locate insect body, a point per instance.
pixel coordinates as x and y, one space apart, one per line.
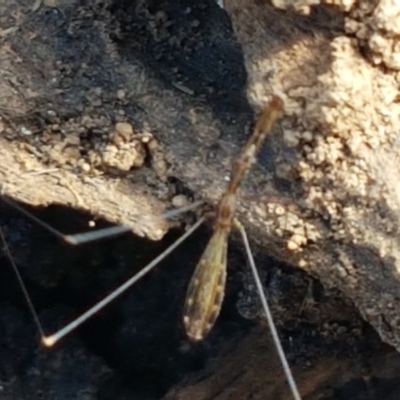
207 286
206 289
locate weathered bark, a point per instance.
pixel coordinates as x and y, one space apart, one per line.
249 368
340 143
325 198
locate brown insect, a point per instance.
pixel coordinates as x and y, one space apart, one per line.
207 286
206 289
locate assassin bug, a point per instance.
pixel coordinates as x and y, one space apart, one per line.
206 288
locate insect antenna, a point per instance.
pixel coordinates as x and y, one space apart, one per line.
267 312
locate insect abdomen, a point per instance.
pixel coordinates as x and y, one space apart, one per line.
206 289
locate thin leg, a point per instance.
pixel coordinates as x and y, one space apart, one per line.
49 341
268 314
21 284
86 237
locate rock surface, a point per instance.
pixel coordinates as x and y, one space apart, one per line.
337 151
116 108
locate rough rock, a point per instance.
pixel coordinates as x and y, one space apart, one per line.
337 152
324 196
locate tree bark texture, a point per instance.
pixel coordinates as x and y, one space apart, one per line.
324 196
